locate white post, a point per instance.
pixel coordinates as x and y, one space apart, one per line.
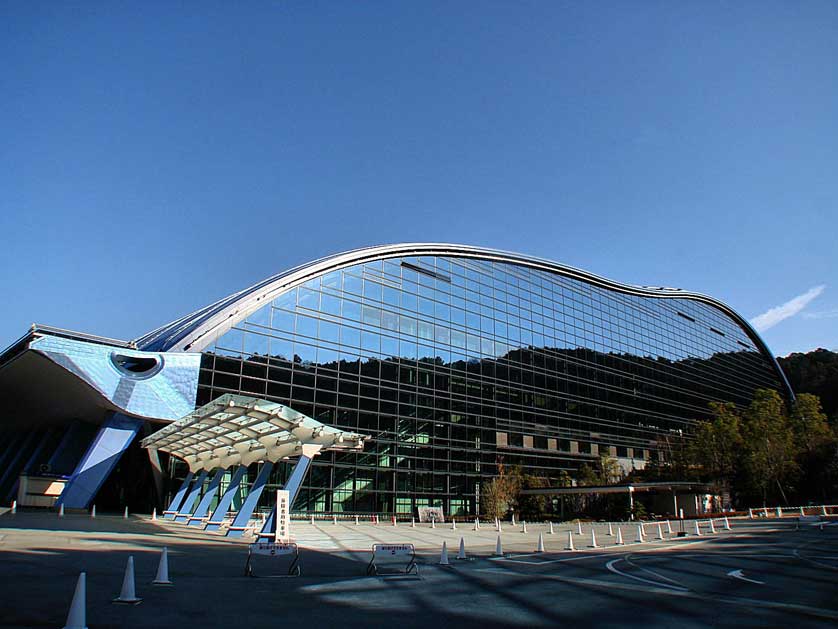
125 513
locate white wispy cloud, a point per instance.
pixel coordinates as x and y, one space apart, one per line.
772 317
823 314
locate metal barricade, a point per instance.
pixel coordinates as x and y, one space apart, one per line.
389 551
273 549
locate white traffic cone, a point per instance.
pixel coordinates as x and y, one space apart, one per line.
394 521
802 512
765 511
569 541
443 557
712 527
697 528
76 617
498 548
551 529
162 577
579 528
93 512
433 523
125 514
823 510
523 527
660 531
497 525
610 530
619 541
513 519
128 595
357 522
14 507
476 524
593 538
61 510
751 514
413 523
727 524
461 554
779 512
668 528
640 539
154 514
335 520
312 520
540 547
453 525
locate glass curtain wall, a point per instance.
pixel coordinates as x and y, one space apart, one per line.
456 365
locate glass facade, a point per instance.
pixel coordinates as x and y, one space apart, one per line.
455 365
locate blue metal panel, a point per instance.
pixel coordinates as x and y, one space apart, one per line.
233 490
185 509
114 437
293 487
11 449
240 523
175 504
203 506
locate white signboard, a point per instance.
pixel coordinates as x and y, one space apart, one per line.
283 516
393 550
426 514
273 549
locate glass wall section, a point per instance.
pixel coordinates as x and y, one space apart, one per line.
455 365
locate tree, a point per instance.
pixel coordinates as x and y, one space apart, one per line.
767 444
500 494
809 424
717 445
815 445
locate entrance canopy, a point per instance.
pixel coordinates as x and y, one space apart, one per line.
239 430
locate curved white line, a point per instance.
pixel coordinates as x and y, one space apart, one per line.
610 566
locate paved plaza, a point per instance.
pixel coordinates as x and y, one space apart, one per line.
766 573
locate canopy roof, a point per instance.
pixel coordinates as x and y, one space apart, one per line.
239 430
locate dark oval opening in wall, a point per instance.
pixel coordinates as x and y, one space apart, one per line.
136 366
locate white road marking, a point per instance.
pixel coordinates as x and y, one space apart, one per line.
610 566
737 574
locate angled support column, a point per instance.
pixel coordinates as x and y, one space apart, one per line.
185 510
27 467
14 465
113 438
292 486
171 512
233 490
203 506
239 525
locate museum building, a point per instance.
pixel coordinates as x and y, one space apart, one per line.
452 360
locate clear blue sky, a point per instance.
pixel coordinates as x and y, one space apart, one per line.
157 156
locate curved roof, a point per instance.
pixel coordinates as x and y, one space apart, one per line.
199 329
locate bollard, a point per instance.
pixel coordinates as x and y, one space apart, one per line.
513 519
476 524
14 507
579 528
802 512
125 513
640 539
697 528
413 523
335 520
61 510
394 521
751 514
312 519
523 527
610 530
712 526
76 617
453 524
660 531
619 537
153 514
128 595
461 554
433 522
569 541
162 577
779 512
668 528
551 528
765 511
593 538
540 547
357 521
497 525
93 512
443 557
727 524
498 548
